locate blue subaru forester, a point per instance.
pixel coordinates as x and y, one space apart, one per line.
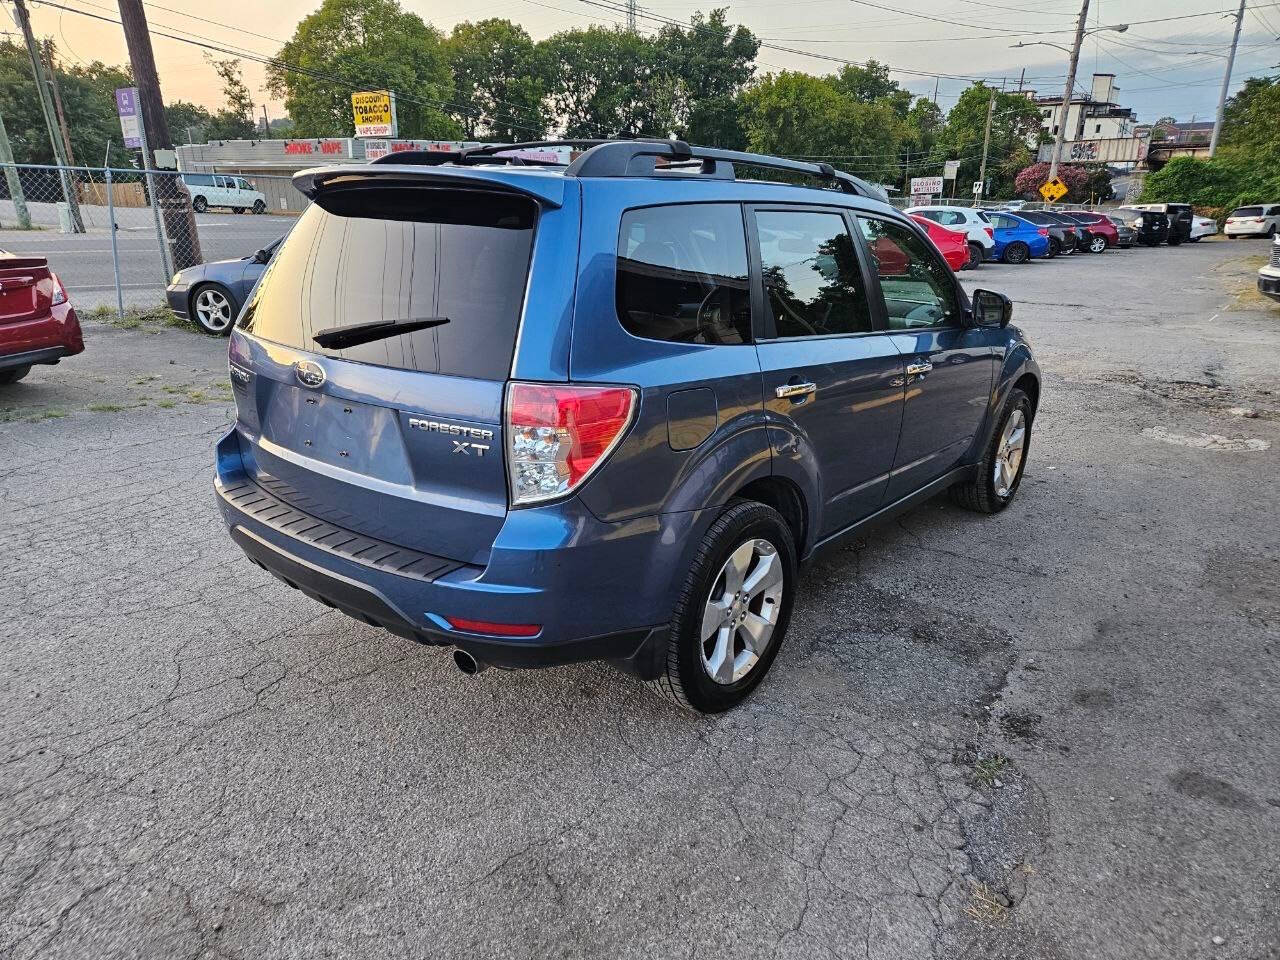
604 411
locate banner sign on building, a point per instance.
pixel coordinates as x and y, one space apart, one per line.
130 117
930 185
374 112
317 148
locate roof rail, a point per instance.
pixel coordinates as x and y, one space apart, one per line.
638 158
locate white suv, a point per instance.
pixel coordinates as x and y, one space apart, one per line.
1260 221
223 190
967 220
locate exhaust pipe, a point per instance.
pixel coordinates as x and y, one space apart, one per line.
467 663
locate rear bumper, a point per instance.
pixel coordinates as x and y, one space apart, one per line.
1246 230
598 591
43 340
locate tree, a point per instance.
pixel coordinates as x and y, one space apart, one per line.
499 81
871 84
798 114
188 122
608 82
711 62
234 121
350 45
1015 122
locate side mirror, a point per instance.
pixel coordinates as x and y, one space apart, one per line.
991 309
261 256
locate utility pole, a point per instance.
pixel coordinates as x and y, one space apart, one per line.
935 90
46 107
1226 82
57 100
1070 89
266 124
1022 78
986 142
174 202
15 183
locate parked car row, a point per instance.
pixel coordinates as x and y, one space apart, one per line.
1013 234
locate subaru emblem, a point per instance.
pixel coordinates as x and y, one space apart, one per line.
309 373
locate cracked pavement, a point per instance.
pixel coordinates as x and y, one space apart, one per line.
1049 733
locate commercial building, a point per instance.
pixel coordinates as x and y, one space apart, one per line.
1097 130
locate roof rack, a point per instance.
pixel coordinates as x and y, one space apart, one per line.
637 158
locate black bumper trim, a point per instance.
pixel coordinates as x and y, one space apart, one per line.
32 357
639 652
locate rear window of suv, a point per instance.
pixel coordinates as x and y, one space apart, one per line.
1247 212
363 255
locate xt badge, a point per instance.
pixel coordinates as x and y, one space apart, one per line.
453 430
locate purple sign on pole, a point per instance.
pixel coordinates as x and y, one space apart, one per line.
130 117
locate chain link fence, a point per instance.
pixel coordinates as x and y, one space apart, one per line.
116 236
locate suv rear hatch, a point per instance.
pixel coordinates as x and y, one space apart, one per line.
26 288
398 438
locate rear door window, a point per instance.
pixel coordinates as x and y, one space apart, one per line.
358 256
682 274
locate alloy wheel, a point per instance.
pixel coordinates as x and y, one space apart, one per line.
1097 244
213 310
741 611
1013 440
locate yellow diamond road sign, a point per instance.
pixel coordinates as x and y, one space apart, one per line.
1053 190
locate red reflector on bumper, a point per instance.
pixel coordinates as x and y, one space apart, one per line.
494 629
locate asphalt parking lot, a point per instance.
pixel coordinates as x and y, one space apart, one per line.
1049 733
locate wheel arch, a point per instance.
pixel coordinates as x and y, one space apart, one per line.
785 496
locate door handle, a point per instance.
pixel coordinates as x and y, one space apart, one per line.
794 390
917 368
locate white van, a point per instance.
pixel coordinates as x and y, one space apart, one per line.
223 190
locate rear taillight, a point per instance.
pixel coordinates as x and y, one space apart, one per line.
59 291
1043 231
990 233
494 629
558 434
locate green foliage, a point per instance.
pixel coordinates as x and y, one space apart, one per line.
1246 168
235 120
88 97
610 82
710 61
500 81
798 114
350 45
1014 120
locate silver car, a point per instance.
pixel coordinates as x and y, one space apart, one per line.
210 295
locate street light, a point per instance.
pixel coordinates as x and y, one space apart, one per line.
1081 33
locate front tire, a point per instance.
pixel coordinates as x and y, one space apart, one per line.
999 472
976 255
1017 252
1055 248
13 375
237 210
259 207
732 611
214 309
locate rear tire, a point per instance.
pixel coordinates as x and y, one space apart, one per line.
1016 252
13 375
976 255
988 491
199 204
737 594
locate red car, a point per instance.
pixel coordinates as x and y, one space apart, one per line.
37 322
1101 232
953 246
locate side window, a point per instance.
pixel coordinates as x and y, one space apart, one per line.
918 289
243 184
950 218
999 222
937 216
812 280
220 182
682 274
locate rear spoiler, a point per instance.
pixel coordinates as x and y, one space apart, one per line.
12 261
545 188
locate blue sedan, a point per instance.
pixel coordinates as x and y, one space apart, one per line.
1017 240
211 294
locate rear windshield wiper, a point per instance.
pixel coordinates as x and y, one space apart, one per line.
335 338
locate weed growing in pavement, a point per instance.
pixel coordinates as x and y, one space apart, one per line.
987 768
986 906
110 407
137 317
14 414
